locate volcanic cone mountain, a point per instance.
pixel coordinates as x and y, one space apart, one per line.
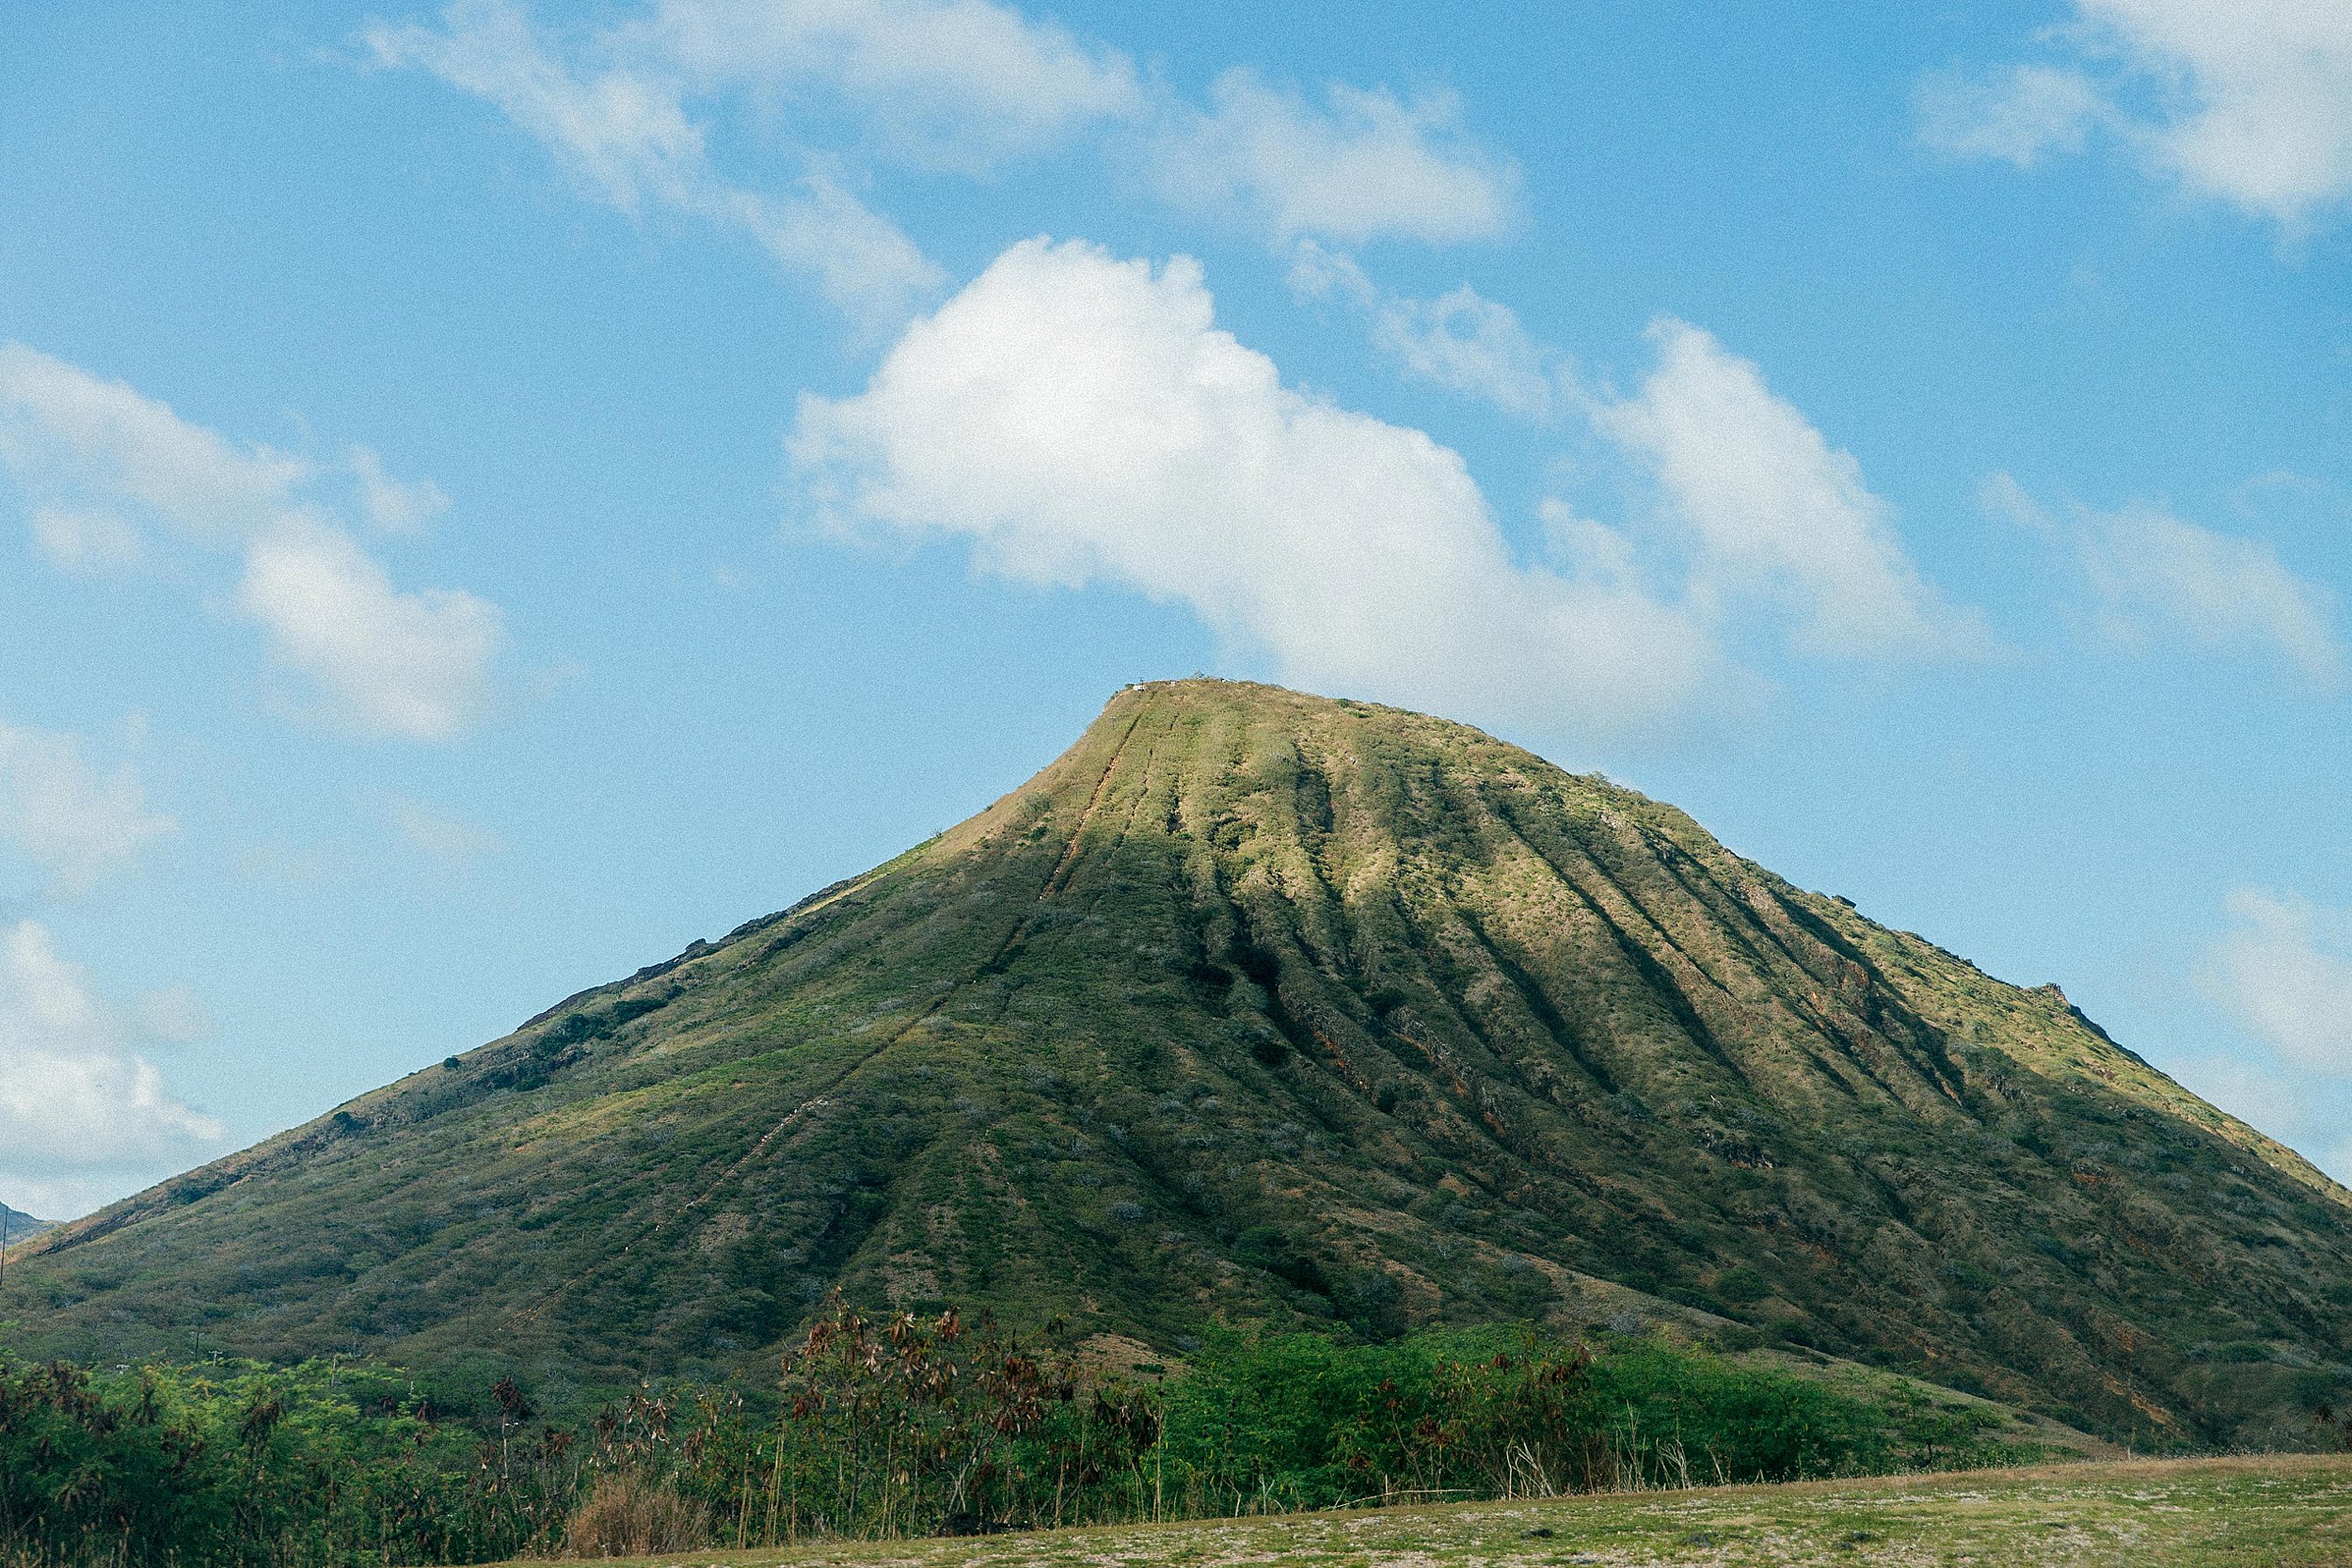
1282 1009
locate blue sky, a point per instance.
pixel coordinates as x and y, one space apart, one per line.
489 495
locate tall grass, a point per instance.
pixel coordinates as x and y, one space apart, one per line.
892 1426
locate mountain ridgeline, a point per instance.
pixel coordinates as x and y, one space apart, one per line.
1273 1010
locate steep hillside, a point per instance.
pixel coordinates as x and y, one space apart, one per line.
1272 1008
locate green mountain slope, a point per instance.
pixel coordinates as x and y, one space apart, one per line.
1276 1008
16 1225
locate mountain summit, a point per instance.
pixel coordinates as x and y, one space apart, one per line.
1268 1007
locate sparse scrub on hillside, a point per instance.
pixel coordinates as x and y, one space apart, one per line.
893 1427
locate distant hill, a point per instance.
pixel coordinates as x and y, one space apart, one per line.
16 1225
1268 1008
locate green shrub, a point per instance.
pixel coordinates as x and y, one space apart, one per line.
239 1465
1743 1283
893 1427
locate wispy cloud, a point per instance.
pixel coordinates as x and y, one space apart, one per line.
2157 577
2250 103
173 1015
961 86
439 835
127 470
74 821
2157 581
1461 340
2020 116
395 505
954 84
2283 968
87 543
81 1113
1362 164
624 132
76 440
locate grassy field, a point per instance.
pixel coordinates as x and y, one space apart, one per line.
2269 1511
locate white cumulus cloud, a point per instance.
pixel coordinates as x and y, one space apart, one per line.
386 663
1775 511
1078 417
1363 165
1769 511
2250 103
83 1117
104 471
2284 970
67 817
